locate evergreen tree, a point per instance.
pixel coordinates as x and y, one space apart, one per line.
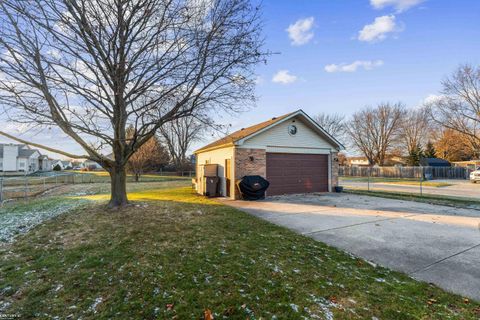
414 156
430 151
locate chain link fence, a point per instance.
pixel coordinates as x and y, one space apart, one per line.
18 187
447 182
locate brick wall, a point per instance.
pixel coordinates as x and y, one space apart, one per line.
335 168
249 162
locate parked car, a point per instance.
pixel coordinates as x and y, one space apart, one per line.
475 175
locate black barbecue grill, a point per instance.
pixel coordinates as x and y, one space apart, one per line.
253 187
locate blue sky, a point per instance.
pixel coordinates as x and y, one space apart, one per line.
404 51
427 41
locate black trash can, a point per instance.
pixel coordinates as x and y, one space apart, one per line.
253 187
211 186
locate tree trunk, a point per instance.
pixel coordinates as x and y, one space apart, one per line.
118 180
137 177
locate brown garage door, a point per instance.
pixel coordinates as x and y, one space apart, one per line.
297 173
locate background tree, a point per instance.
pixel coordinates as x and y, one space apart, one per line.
333 123
92 68
342 159
375 131
453 146
458 108
414 130
179 135
149 157
430 151
414 156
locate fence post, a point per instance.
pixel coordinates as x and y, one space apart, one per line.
56 180
44 186
1 190
368 180
25 192
421 180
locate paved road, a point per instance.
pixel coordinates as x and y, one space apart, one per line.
459 188
432 243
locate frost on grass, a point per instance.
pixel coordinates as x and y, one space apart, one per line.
14 221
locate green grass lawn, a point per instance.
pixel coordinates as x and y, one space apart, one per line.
173 254
413 182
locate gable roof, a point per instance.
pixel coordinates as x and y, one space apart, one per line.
434 162
249 132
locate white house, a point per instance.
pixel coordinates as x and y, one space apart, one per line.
20 158
64 164
90 165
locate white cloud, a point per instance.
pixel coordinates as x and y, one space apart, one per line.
399 5
352 67
432 98
301 31
284 77
378 30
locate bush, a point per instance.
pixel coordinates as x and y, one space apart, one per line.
57 168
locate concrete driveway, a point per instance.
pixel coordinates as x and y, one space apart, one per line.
431 243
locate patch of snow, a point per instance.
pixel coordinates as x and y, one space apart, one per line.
93 307
294 307
277 269
4 305
14 222
324 305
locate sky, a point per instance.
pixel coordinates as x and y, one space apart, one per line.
337 56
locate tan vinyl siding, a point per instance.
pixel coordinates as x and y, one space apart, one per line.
277 139
217 156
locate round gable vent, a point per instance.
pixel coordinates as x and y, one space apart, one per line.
292 129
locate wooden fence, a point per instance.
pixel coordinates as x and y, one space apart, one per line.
407 172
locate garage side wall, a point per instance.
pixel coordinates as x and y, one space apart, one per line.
218 157
334 170
249 162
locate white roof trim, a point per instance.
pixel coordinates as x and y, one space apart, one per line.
297 113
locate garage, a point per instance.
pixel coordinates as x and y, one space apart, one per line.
291 151
297 173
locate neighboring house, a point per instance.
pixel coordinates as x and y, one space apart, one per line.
91 165
63 164
44 163
471 164
395 161
292 152
20 158
434 162
363 161
358 162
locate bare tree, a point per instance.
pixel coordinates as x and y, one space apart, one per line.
414 129
333 123
374 131
179 135
150 156
458 108
92 68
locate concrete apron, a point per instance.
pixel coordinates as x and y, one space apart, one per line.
436 244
